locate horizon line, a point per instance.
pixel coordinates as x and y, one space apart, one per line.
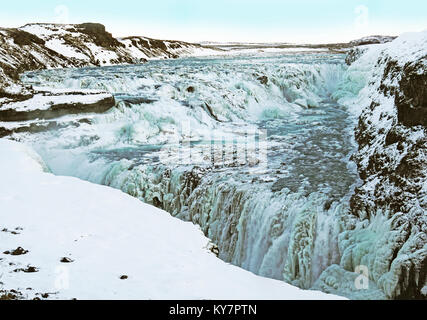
207 42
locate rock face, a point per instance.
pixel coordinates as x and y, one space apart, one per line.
47 105
43 110
411 99
147 48
389 234
99 35
354 54
21 51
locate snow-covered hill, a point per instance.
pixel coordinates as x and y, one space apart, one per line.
44 46
372 40
64 238
90 43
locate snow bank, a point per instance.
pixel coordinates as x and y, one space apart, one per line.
108 234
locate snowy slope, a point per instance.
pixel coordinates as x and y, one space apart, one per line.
45 102
147 48
19 52
107 234
91 44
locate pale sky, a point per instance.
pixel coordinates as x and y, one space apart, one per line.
298 21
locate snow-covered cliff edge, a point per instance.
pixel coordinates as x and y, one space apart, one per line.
63 238
387 231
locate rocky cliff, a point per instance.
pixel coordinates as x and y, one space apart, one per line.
387 228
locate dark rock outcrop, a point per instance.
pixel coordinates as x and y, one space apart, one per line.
17 252
354 54
58 110
66 260
263 80
99 35
411 98
23 38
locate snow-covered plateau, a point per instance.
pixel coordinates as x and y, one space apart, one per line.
304 164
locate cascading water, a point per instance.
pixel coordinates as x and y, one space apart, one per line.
281 220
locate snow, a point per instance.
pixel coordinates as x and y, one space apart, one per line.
408 47
104 56
43 30
57 91
60 47
108 234
134 51
90 53
274 50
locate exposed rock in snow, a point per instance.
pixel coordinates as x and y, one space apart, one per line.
84 44
106 237
354 54
22 51
91 44
8 128
389 234
147 48
360 46
47 105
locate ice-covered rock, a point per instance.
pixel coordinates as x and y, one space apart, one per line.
388 233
